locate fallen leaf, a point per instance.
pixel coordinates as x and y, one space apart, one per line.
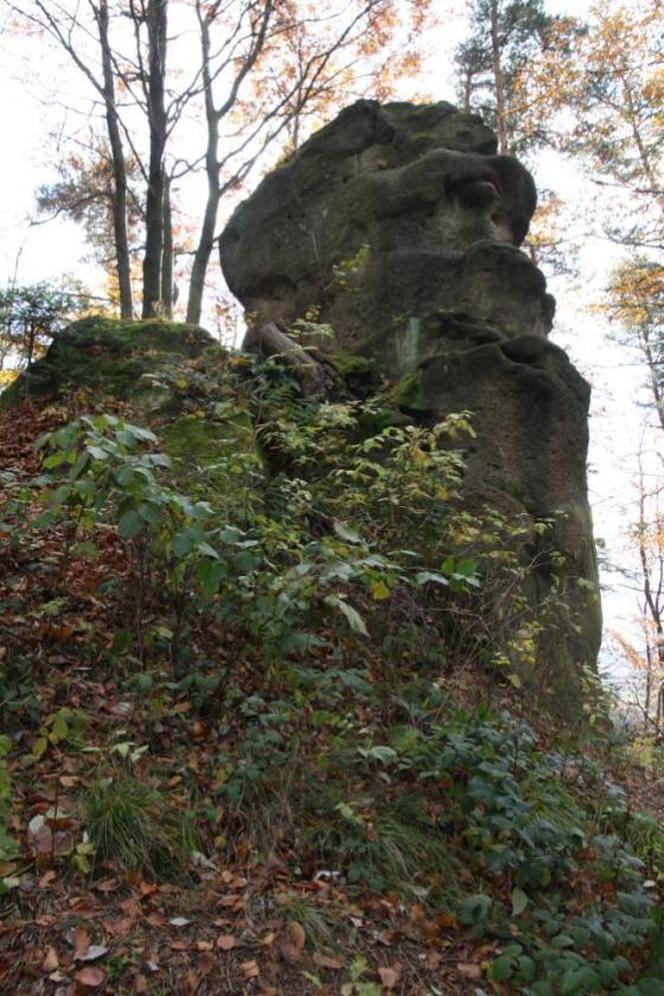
90 977
226 941
389 977
198 860
79 938
433 959
51 960
250 970
118 927
231 902
179 921
94 951
107 885
205 963
296 935
46 879
189 984
469 969
327 961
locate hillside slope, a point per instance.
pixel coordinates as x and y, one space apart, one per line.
272 721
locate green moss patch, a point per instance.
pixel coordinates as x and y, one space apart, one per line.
406 393
351 365
106 356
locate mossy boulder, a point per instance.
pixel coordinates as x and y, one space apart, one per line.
107 357
384 215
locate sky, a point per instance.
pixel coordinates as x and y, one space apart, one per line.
31 116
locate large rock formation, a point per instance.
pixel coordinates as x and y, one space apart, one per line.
401 227
386 214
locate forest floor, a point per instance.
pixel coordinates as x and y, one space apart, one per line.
234 918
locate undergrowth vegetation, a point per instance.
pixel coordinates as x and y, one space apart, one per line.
279 649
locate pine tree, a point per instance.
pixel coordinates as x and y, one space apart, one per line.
505 37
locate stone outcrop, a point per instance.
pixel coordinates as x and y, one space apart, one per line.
385 214
401 226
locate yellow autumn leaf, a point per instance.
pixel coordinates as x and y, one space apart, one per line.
379 591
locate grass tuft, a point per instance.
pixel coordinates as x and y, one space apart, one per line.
133 825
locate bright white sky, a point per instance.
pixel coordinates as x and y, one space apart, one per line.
28 115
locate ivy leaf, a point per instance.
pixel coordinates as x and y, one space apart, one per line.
519 901
346 533
424 577
501 969
582 979
40 747
182 543
150 513
381 752
527 968
474 909
651 987
130 524
60 727
466 568
352 616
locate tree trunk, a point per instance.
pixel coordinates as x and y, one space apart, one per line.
202 255
206 238
316 378
501 111
156 23
467 91
167 254
31 345
213 116
652 582
654 374
119 202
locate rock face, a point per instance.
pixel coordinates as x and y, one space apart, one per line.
401 226
385 214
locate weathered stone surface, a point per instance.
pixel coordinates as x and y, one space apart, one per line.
388 213
403 227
